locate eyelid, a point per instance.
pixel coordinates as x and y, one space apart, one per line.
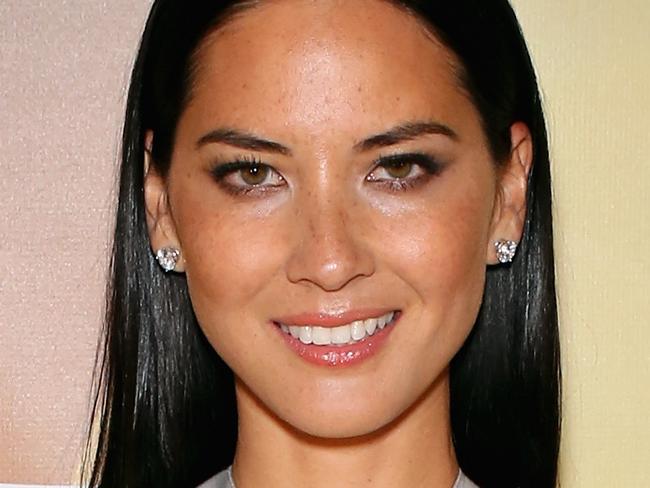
221 171
428 167
428 163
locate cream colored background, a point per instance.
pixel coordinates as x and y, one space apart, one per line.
64 67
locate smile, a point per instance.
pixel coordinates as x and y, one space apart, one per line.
347 334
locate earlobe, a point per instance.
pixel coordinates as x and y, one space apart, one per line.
511 200
160 223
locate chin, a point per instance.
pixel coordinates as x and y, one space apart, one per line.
344 415
368 413
336 425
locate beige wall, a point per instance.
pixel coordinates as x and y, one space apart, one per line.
64 66
63 69
593 58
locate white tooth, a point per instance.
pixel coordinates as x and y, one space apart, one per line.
390 317
370 325
306 335
284 328
321 336
295 331
341 335
381 322
358 331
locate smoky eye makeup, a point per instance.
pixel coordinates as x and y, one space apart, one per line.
404 171
250 176
246 175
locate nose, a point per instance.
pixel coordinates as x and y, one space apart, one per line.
332 247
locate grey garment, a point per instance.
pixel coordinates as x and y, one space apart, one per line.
221 480
463 481
224 480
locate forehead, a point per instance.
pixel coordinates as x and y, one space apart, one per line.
324 64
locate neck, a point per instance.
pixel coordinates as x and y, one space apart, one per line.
413 450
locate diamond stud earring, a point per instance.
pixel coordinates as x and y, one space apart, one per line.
167 258
505 250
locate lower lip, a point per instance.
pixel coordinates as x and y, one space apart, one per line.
340 356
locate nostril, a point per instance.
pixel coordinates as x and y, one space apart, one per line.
328 249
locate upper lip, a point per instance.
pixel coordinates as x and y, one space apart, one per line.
324 319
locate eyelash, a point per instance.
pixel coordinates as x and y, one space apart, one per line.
429 165
221 171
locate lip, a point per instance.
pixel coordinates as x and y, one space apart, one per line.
336 355
332 320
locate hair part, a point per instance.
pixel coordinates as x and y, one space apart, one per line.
165 406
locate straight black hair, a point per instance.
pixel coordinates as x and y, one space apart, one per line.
165 410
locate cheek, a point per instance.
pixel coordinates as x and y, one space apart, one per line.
437 248
227 257
232 253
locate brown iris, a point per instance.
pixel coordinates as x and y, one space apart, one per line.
399 169
254 175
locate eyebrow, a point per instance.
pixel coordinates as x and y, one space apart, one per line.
397 134
405 132
242 140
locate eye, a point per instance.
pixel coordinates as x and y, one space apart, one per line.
247 175
403 171
400 169
255 174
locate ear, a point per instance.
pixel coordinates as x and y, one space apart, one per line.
509 214
160 222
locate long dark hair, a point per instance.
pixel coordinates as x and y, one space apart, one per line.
165 406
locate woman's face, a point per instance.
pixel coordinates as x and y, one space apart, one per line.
329 169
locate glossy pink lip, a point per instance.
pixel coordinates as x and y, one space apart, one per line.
332 320
336 355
